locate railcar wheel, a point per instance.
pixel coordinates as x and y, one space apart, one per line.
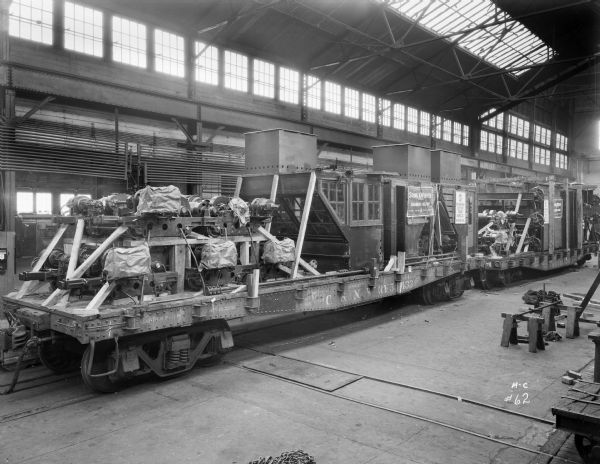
59 359
483 280
102 362
455 289
425 295
588 449
212 354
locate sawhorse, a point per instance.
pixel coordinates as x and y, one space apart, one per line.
535 324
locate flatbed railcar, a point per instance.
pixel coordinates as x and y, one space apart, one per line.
516 230
130 286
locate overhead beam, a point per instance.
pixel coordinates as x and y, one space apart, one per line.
34 109
542 86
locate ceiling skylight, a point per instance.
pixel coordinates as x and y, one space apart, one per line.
505 43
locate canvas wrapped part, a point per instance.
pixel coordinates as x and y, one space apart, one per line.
160 200
218 254
120 263
240 209
281 252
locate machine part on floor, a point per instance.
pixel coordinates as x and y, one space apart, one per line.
288 457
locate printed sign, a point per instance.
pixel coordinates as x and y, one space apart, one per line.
420 202
558 210
460 207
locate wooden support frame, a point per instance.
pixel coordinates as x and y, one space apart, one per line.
58 293
26 287
303 222
274 186
238 186
100 297
523 235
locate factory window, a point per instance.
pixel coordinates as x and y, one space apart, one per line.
561 142
43 203
312 92
541 155
456 132
335 192
518 126
235 71
333 98
169 55
561 161
129 42
264 78
207 63
31 20
541 135
412 120
351 103
424 123
487 141
358 201
518 149
465 138
483 140
499 143
447 130
490 141
369 108
373 202
83 29
399 116
24 202
497 122
436 130
289 87
385 112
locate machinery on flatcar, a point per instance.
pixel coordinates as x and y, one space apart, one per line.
517 229
146 283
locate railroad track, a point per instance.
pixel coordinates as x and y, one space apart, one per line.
465 431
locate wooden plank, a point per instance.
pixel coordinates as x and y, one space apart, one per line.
532 330
238 186
75 248
523 235
178 258
100 297
401 262
303 222
25 288
74 256
518 205
484 228
273 195
391 263
245 253
572 323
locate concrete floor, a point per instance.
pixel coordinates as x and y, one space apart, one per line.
234 413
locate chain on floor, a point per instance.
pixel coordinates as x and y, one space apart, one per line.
289 457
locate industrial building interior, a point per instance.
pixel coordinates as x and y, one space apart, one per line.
300 231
